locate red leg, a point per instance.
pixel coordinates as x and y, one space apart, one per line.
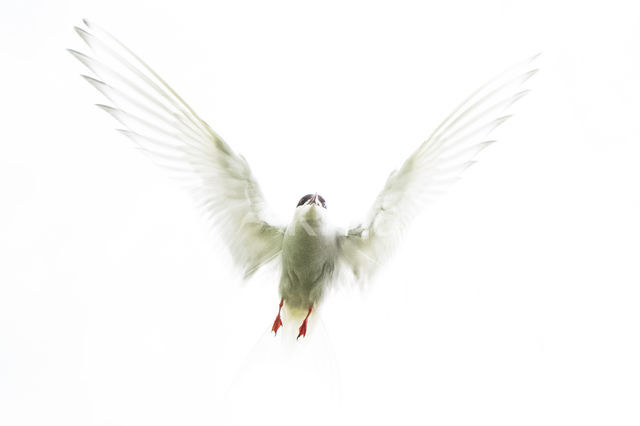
303 327
278 322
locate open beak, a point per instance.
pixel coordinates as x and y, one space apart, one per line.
315 200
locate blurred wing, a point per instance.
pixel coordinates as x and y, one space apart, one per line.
436 163
165 127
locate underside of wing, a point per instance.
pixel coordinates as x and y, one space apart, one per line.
436 163
156 118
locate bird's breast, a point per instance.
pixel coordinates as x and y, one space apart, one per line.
308 241
308 253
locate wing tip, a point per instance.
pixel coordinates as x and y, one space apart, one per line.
521 94
76 54
530 73
107 108
468 164
126 132
94 81
80 31
535 56
502 119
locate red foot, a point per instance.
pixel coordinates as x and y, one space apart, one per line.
278 322
303 328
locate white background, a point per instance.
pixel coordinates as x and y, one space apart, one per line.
514 300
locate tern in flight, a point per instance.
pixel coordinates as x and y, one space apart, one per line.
312 253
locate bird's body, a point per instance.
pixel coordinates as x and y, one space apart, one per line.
312 253
309 249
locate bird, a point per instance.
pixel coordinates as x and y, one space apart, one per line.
312 253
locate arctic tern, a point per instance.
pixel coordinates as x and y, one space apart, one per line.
312 253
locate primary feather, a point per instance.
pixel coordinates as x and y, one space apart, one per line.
437 162
164 126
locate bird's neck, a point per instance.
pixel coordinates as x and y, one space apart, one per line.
309 219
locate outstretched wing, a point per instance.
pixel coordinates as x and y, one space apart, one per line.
436 163
165 127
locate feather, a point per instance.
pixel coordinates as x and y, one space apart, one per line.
437 162
166 128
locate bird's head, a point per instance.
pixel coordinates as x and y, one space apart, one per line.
312 199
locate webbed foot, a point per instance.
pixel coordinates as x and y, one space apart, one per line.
303 328
278 322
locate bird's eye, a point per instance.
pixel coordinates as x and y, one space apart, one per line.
304 199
